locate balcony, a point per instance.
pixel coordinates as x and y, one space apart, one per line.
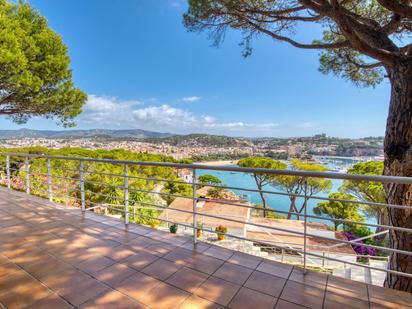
58 256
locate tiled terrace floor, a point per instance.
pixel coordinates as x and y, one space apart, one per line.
53 257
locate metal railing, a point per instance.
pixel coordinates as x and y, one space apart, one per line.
31 169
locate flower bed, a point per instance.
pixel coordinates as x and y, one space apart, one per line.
360 249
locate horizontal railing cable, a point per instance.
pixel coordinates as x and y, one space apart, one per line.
307 174
36 177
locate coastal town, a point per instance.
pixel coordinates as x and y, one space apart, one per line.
211 148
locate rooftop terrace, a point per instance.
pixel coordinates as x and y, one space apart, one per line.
57 257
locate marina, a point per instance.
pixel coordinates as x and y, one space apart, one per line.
281 203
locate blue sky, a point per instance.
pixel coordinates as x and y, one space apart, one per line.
142 69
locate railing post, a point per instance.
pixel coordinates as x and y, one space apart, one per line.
8 172
327 259
126 195
323 259
82 195
305 224
26 163
194 207
49 180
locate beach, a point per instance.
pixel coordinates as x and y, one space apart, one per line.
218 162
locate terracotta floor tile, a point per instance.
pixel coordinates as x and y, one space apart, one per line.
119 253
180 256
112 243
233 273
333 300
198 248
156 234
161 269
274 268
111 300
3 259
114 274
303 294
348 288
176 241
165 296
389 298
283 304
126 238
309 278
18 249
137 285
139 260
100 250
94 265
379 306
219 252
245 260
80 292
205 264
195 302
13 279
8 268
30 258
53 301
76 256
57 281
140 230
139 243
266 283
159 249
22 291
247 298
217 290
43 268
187 279
387 305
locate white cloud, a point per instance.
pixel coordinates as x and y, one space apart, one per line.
191 99
102 111
164 115
239 126
183 121
110 112
148 114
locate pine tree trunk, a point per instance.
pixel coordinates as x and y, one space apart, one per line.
292 206
382 218
398 162
260 188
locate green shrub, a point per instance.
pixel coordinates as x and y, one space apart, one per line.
173 228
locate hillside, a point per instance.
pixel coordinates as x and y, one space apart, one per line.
202 140
27 133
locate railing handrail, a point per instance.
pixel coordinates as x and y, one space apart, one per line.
328 175
195 211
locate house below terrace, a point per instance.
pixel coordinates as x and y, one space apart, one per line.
246 227
185 174
211 208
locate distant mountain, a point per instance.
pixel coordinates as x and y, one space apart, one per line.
132 134
147 136
187 140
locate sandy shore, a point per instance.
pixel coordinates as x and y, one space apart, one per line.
217 163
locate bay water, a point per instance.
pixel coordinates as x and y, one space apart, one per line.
275 201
